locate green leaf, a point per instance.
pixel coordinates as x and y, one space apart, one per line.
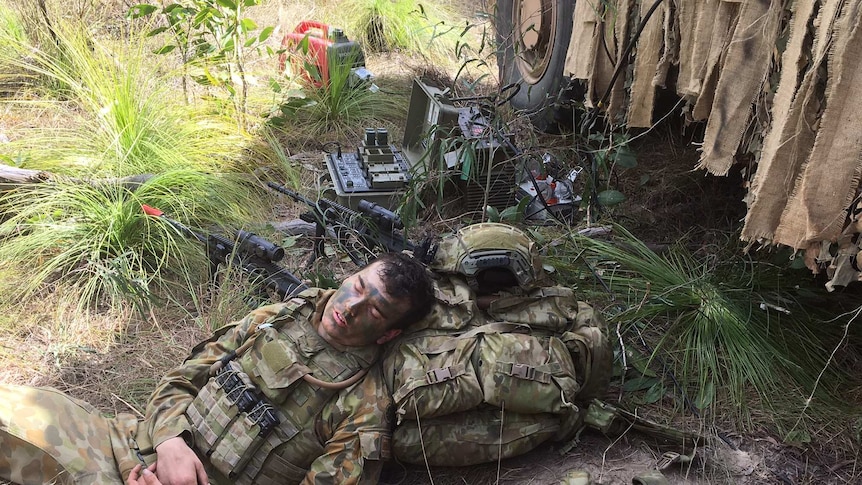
265 33
523 204
492 213
141 10
156 31
611 197
227 4
644 179
625 157
639 362
510 214
165 49
705 396
654 393
251 3
639 383
247 25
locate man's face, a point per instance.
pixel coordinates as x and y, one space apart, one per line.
361 312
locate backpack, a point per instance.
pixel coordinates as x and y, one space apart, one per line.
473 385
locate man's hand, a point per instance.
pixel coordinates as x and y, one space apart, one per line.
145 478
178 464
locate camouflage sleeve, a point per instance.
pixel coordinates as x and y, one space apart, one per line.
357 434
165 414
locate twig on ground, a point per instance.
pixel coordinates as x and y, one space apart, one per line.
808 401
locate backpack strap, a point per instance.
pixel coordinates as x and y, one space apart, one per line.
541 373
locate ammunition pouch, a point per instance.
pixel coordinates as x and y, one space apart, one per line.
231 420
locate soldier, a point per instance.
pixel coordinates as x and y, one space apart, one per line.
289 394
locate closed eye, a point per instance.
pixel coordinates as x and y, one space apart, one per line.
375 313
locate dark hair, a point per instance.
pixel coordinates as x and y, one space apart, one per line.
406 279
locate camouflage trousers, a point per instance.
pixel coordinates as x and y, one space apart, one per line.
49 437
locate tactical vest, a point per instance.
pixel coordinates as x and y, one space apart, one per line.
254 420
472 386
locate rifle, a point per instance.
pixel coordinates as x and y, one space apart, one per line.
252 254
371 227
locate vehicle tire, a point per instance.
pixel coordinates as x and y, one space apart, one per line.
533 54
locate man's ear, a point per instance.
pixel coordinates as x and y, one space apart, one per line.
389 335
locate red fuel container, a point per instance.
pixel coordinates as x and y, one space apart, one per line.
327 47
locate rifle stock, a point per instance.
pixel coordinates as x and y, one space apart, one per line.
252 254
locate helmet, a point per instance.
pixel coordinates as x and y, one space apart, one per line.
508 252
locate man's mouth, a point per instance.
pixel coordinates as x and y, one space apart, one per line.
339 319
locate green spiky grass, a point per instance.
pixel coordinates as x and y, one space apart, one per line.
335 110
12 27
86 227
97 237
417 28
129 119
720 322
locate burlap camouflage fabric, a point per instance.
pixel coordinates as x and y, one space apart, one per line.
48 437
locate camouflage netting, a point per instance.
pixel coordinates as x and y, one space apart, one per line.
776 79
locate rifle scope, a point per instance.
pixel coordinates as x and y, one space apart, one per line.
251 243
381 215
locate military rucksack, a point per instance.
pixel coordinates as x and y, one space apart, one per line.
483 378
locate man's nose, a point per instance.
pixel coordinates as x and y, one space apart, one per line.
353 307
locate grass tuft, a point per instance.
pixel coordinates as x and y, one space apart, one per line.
12 28
337 109
128 119
416 28
97 238
86 227
727 326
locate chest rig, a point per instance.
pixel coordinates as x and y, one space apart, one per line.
255 418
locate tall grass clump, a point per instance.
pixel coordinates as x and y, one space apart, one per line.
12 28
420 29
732 331
337 108
122 117
128 118
95 236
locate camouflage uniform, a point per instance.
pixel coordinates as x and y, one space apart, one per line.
47 436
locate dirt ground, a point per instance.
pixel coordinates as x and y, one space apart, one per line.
608 461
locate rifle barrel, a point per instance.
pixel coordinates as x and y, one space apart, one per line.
253 254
